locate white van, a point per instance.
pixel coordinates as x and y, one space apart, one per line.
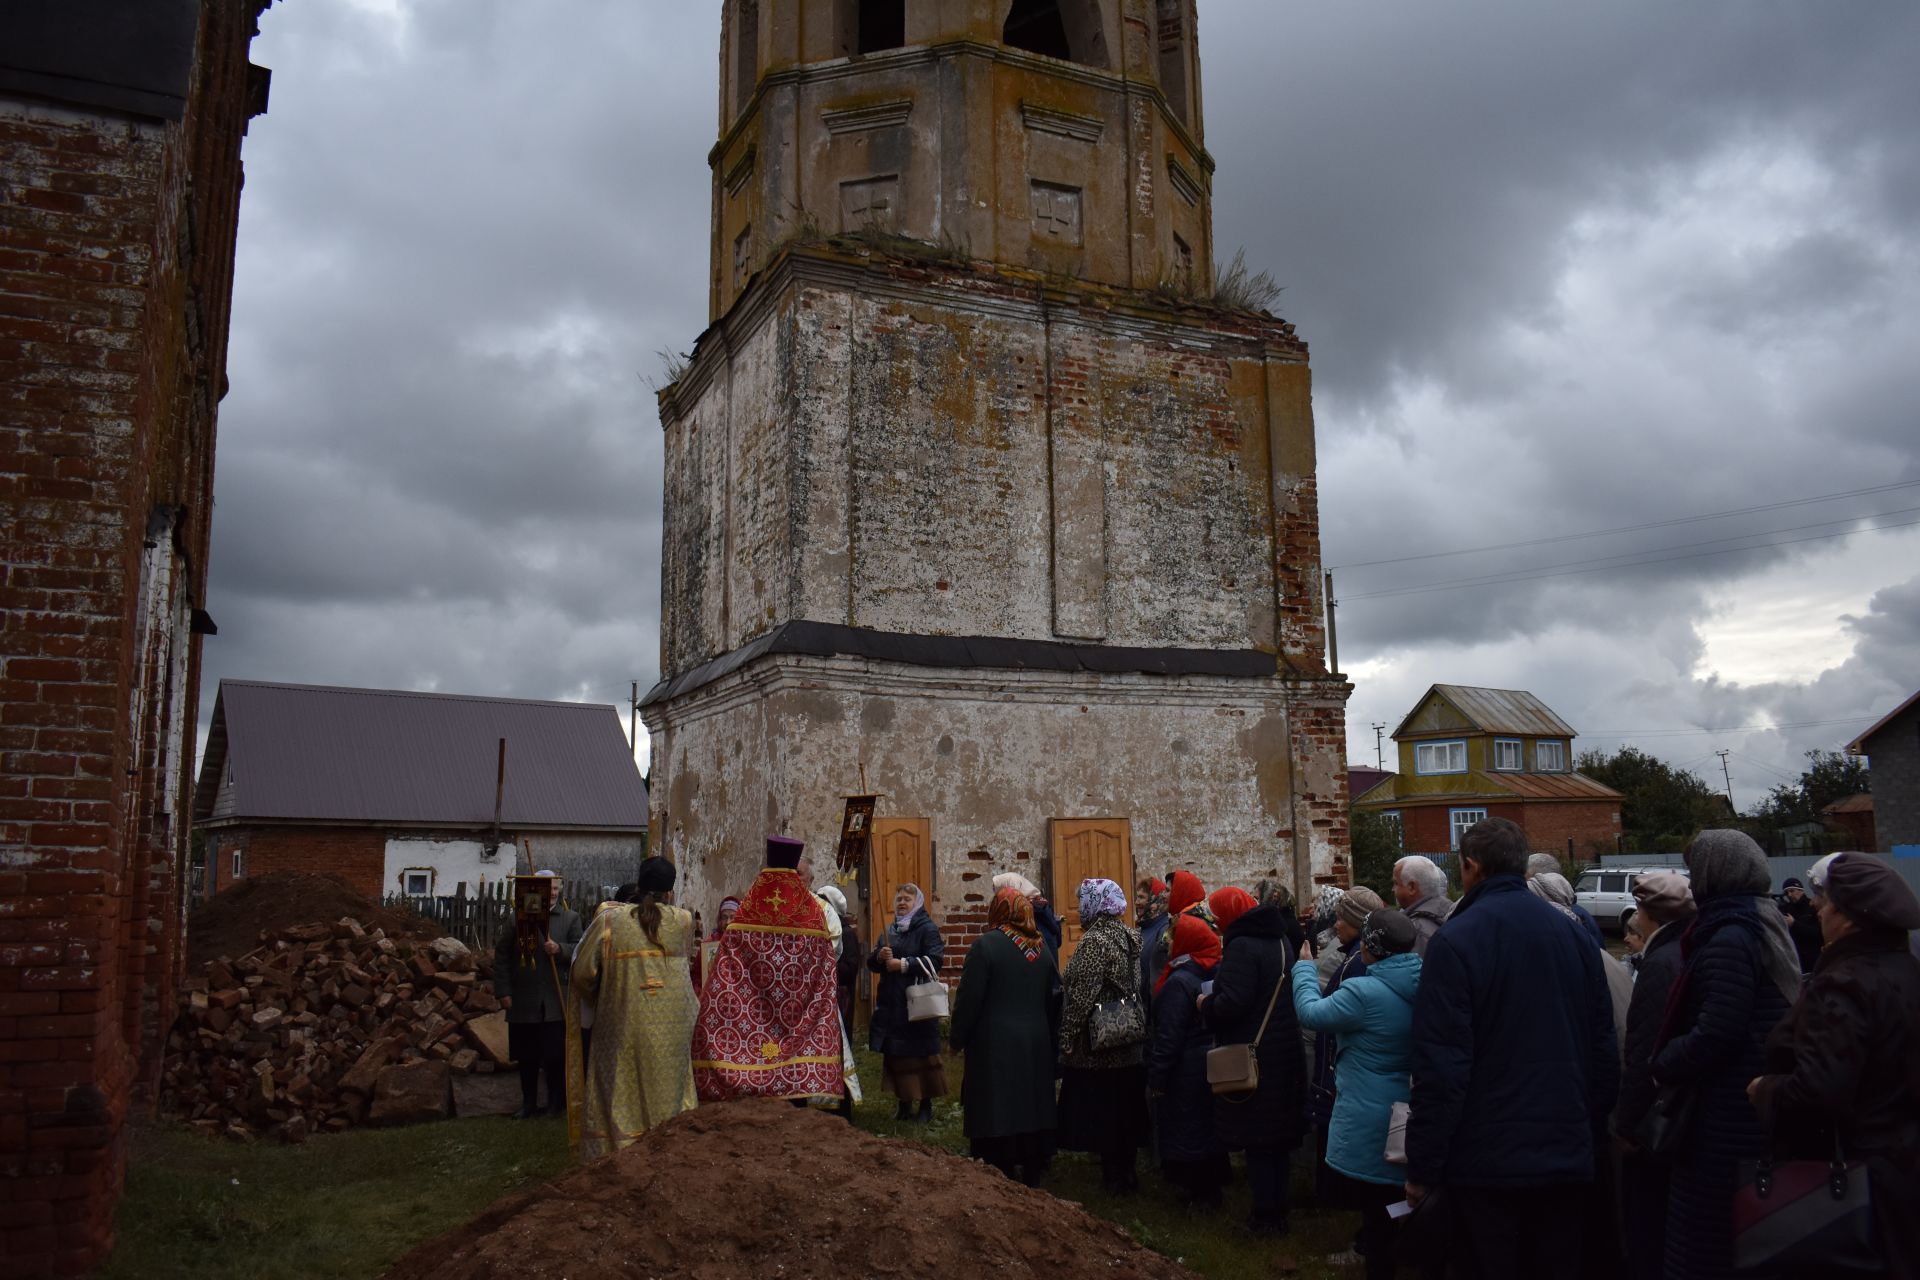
1607 893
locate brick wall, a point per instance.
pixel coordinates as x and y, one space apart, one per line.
1893 761
355 854
116 244
1592 824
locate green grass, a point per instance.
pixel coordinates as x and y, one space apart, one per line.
345 1205
348 1205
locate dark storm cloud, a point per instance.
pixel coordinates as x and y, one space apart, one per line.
1562 268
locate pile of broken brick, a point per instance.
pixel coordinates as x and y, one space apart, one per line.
328 1026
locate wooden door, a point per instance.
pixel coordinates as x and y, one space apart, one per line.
902 854
1087 849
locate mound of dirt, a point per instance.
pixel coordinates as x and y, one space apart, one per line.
230 923
749 1189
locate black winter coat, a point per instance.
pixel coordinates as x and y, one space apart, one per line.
1659 966
1803 926
846 969
538 990
1006 1019
1176 1058
1716 1049
1849 1056
1515 1062
891 1033
1253 966
1049 926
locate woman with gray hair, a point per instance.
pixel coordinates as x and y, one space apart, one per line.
1665 909
1739 978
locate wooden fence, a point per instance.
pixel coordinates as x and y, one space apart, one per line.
479 918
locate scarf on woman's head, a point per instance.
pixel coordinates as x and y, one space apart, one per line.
1275 892
1229 904
1018 883
901 919
1098 898
1193 943
1186 891
1552 888
1153 900
1012 914
1728 864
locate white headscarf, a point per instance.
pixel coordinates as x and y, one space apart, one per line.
1018 883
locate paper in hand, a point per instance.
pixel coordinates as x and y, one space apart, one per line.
1400 1210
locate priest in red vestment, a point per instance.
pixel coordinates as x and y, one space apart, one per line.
769 1024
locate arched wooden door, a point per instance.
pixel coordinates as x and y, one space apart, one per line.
1087 849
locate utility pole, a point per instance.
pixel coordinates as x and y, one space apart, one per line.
1333 633
633 722
1727 775
1379 749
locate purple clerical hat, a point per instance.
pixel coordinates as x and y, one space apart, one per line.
784 851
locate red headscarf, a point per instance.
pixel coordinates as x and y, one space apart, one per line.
1229 904
1186 891
1194 941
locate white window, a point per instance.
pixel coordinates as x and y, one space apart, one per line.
1550 757
1462 819
1440 757
1392 818
239 863
419 883
1507 754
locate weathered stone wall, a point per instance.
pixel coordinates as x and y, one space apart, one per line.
955 451
1087 168
116 250
1238 779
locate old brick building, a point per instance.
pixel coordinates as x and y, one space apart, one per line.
974 481
398 791
1468 753
120 133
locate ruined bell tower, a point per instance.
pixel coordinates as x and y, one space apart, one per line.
975 481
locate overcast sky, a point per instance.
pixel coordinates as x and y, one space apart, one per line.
1564 268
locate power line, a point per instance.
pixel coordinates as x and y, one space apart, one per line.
1633 528
1754 728
1490 581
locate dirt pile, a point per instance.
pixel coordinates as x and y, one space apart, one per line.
325 1026
749 1189
236 920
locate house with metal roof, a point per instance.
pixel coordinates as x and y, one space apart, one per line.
1892 748
416 793
1468 753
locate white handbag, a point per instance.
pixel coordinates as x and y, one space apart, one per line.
1396 1152
926 999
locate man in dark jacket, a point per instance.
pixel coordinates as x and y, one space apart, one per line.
533 991
1515 1067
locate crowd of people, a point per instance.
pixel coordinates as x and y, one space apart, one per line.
1491 1091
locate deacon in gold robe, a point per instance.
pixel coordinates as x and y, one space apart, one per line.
632 970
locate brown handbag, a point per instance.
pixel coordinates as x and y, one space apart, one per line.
1234 1069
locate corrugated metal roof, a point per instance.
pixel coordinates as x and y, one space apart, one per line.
1552 786
1497 711
374 755
1361 779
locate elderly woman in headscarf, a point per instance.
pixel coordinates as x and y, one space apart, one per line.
1003 1020
1150 912
1739 977
1664 908
1043 914
1541 864
910 951
1373 1015
1842 1068
1249 1004
1103 1090
1191 1154
1186 896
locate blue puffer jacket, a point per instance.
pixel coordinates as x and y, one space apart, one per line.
1515 1064
1373 1016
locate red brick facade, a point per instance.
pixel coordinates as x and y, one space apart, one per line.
355 854
116 250
1592 825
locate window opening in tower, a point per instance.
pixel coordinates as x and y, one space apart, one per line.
883 25
1037 27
